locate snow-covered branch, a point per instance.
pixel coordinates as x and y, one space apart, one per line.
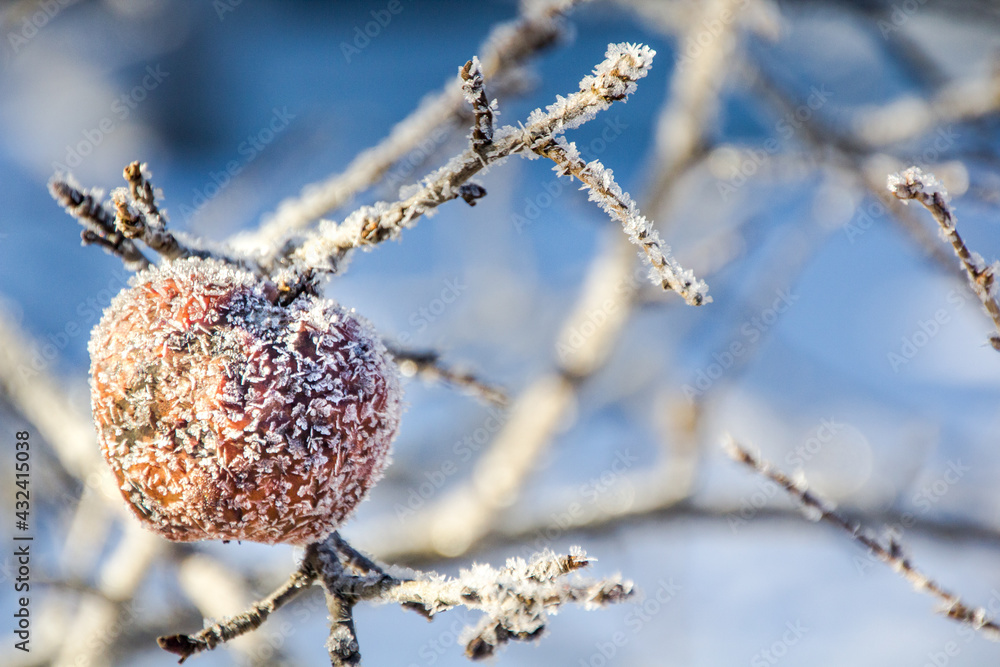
136 218
471 510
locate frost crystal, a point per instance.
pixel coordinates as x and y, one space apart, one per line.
224 415
913 180
612 80
605 191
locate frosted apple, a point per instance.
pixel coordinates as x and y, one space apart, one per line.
225 415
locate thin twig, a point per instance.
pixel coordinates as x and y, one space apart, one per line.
138 217
142 192
187 645
428 365
98 223
915 184
618 204
342 643
656 505
475 94
353 557
890 553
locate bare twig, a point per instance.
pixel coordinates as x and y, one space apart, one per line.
914 184
187 645
890 552
427 364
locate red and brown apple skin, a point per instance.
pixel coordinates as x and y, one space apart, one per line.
226 416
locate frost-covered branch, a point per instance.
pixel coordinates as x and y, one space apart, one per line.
618 204
428 365
187 645
138 217
475 94
516 599
143 196
98 223
915 184
889 552
612 80
507 46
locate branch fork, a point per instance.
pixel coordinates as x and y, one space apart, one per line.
516 599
